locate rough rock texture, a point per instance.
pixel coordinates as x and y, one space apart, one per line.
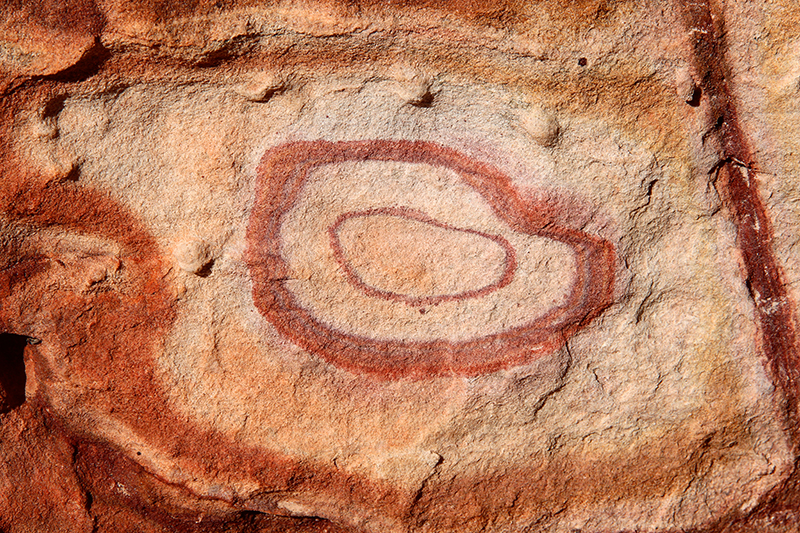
399 266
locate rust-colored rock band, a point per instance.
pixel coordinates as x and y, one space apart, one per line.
738 187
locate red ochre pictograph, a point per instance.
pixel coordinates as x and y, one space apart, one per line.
509 262
281 175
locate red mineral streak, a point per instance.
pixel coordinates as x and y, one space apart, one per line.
738 186
509 262
109 339
281 176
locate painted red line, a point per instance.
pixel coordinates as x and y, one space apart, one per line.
509 261
281 176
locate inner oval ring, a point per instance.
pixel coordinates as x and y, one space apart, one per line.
509 262
280 177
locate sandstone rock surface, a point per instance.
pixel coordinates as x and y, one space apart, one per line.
405 266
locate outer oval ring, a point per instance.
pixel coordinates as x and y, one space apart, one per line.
280 177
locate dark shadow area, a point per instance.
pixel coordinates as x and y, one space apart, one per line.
12 371
87 66
205 271
426 100
694 98
53 107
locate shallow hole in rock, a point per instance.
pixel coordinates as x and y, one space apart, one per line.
12 370
205 270
426 100
694 98
54 106
74 174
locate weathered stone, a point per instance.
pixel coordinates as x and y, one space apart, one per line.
418 267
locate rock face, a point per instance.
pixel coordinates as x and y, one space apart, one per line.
388 267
